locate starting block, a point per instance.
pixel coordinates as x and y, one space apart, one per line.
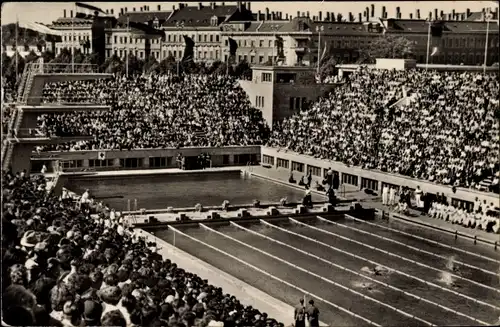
212 214
327 207
243 213
300 209
272 211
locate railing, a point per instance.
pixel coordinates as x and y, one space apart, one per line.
90 99
8 156
22 83
67 68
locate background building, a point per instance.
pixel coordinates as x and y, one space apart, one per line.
268 37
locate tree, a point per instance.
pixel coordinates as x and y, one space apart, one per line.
113 65
243 70
394 47
32 56
327 68
151 65
135 65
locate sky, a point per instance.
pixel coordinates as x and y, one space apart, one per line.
47 12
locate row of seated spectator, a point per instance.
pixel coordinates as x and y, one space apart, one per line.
63 266
156 112
446 132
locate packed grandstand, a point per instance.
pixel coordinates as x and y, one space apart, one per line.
61 267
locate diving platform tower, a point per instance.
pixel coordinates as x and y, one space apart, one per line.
23 134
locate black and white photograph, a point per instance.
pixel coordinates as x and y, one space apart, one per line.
250 164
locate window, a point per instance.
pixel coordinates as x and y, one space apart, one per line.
72 164
266 77
225 159
270 43
116 39
96 163
283 163
315 171
205 38
261 59
252 59
131 162
297 103
216 38
370 184
268 160
298 166
261 43
157 162
211 38
349 179
259 101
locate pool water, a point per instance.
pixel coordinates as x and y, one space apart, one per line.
184 190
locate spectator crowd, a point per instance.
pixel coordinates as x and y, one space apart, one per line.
156 112
66 265
444 131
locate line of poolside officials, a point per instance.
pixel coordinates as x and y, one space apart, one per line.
330 183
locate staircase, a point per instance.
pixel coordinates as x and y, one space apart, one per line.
22 83
7 156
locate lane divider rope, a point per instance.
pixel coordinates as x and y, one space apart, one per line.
424 239
407 246
274 277
329 281
383 266
358 274
400 257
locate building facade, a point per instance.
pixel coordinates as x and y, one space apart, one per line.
269 37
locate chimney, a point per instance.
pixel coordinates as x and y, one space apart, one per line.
173 8
418 13
258 16
373 10
436 13
398 12
273 15
64 13
107 11
320 16
383 11
367 14
411 16
239 6
71 14
441 15
112 12
248 6
351 17
454 15
327 16
141 9
467 13
298 13
200 5
360 17
430 14
385 15
126 9
159 7
267 14
286 16
307 14
181 6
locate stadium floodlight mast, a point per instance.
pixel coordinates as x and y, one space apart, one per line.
429 22
487 17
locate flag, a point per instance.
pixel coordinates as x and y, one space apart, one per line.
233 46
188 50
38 27
87 11
434 51
279 45
144 31
324 52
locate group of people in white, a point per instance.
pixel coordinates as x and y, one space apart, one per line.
480 216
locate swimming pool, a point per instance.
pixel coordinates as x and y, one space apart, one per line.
180 190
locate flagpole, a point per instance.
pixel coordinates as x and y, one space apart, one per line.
486 43
428 44
15 53
319 48
73 39
126 57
